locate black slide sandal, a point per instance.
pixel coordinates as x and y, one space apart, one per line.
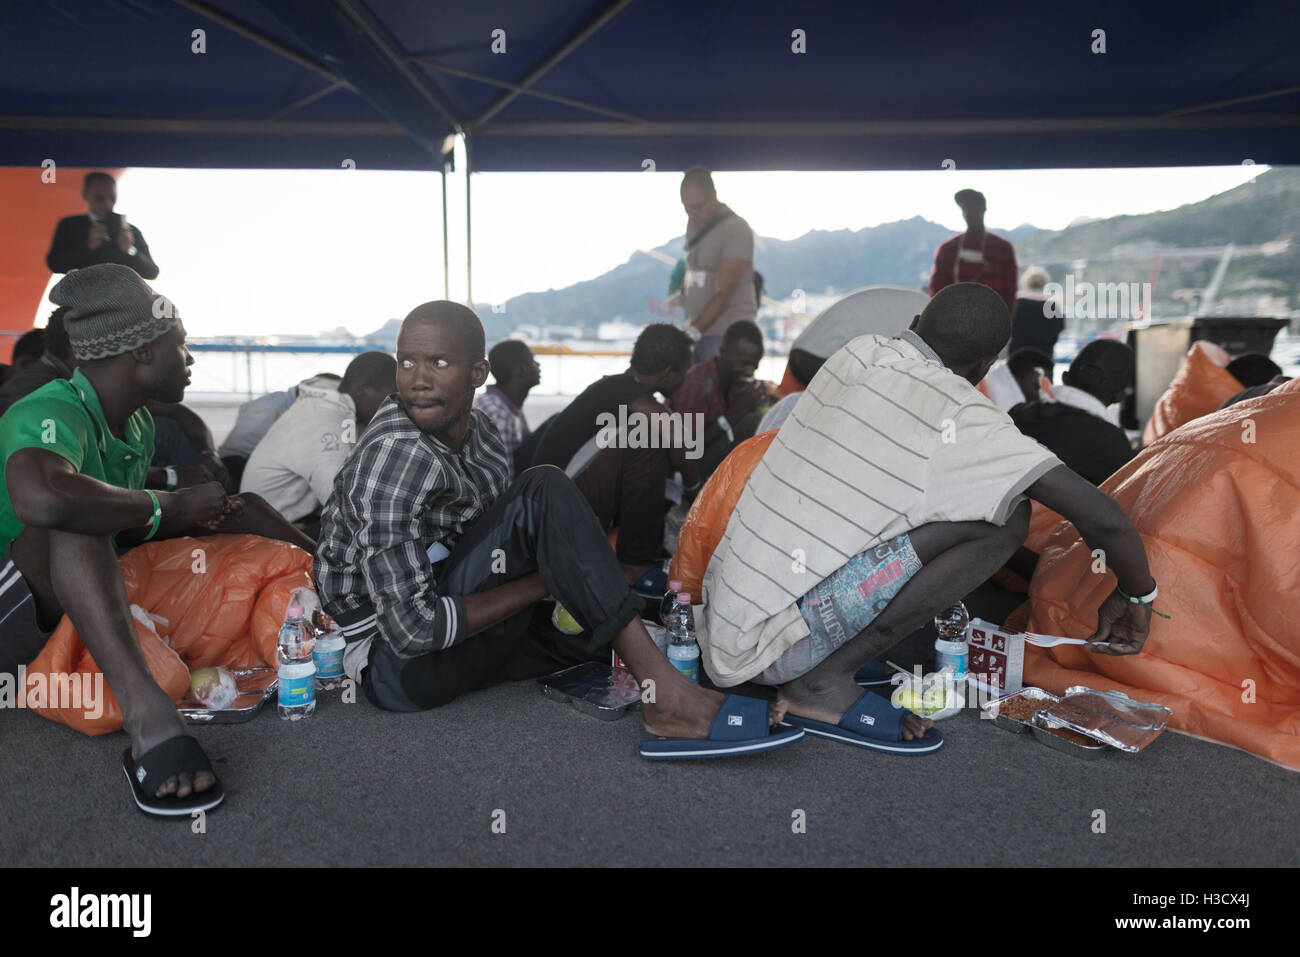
174 756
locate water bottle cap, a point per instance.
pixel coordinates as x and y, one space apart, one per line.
683 598
674 585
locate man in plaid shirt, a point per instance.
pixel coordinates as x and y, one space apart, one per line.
976 255
432 563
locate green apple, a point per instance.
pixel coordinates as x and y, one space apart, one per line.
204 681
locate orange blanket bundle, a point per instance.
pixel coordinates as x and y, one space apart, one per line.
1218 506
224 597
1201 386
707 520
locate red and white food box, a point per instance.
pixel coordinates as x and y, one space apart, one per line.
995 658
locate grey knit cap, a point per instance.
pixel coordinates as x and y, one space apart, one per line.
111 310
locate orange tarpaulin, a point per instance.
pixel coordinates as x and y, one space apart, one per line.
224 597
1218 506
706 522
1201 386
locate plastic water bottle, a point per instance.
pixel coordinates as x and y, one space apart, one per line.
669 603
951 648
327 655
297 672
683 651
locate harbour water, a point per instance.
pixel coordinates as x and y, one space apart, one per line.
223 380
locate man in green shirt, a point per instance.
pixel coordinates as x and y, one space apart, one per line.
74 469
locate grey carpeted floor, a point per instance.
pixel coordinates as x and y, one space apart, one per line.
357 786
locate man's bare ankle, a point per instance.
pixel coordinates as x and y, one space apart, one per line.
810 687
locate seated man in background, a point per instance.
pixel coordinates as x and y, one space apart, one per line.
256 416
1080 424
723 390
27 350
1253 368
622 478
516 372
431 563
1036 320
893 491
294 465
54 362
1258 373
1015 381
1255 392
74 469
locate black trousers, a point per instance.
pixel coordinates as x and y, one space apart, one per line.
541 524
625 488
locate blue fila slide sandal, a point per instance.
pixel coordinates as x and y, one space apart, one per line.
871 722
874 672
739 727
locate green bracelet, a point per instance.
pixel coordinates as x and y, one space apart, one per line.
157 516
1139 601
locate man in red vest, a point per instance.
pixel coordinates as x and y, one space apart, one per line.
976 255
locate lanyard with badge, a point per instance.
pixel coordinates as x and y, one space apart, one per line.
699 277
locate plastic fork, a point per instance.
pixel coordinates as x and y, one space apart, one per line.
1048 641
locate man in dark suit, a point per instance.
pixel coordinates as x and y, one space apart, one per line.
99 235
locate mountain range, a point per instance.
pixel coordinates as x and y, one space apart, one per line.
1179 250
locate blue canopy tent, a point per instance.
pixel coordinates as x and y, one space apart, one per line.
610 84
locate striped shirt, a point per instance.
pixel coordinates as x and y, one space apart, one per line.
884 440
401 493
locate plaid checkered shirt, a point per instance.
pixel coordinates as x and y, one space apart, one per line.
400 493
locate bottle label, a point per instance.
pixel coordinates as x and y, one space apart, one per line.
957 662
297 692
690 667
329 664
686 659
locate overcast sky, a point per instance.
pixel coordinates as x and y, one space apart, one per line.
288 251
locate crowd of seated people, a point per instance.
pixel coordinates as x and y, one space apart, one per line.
441 526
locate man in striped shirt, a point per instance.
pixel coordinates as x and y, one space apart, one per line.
432 563
892 491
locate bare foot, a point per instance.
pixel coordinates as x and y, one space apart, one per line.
828 703
688 712
159 722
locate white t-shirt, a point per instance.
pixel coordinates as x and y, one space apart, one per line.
884 440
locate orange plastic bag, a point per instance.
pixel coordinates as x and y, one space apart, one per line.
1201 386
706 522
1218 506
224 597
